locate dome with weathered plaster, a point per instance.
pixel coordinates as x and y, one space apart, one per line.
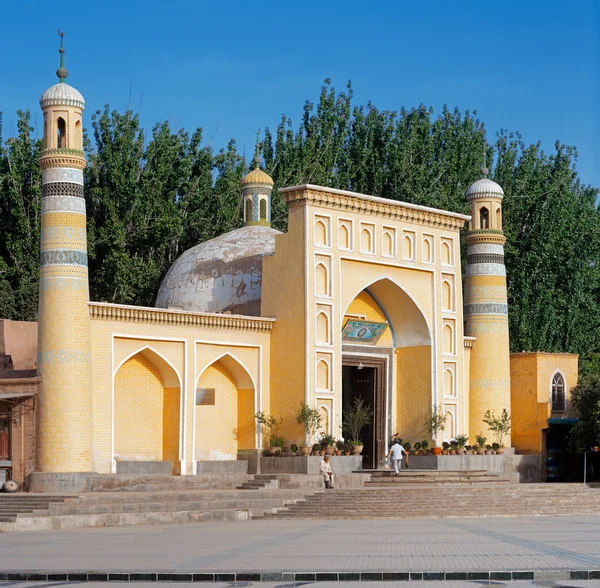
62 94
220 275
484 187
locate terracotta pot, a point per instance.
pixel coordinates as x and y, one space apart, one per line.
436 450
460 450
305 449
274 450
347 453
357 449
500 450
338 452
452 451
481 451
322 452
444 452
330 451
315 453
416 451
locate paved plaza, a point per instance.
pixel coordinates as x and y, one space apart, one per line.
554 548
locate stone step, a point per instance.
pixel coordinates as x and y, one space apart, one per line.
433 502
207 505
126 519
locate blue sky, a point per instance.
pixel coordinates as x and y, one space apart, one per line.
232 67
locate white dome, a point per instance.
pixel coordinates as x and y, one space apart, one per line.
62 94
220 275
484 187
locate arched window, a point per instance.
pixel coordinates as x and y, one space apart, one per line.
61 128
344 237
249 210
558 392
484 218
498 218
263 209
322 280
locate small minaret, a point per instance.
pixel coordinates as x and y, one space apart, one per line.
486 308
64 408
256 194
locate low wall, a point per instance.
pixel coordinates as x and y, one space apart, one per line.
144 467
316 482
340 464
63 482
222 467
529 467
492 463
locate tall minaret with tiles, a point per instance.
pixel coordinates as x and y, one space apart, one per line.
486 307
64 436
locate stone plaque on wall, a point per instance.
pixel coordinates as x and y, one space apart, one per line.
205 396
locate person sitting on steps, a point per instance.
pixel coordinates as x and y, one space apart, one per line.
327 472
396 451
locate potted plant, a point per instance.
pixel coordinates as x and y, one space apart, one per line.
310 419
445 447
434 423
276 444
347 448
272 424
315 449
488 449
499 425
424 447
453 447
461 441
294 448
417 448
480 444
407 446
355 418
339 446
327 443
496 448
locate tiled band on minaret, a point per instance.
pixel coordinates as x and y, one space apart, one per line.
65 401
486 307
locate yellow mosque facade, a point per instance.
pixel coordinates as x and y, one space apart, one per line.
362 297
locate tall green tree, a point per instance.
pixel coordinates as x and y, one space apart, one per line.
20 204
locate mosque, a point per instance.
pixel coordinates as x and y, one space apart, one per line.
362 297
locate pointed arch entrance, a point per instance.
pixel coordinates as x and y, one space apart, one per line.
392 374
147 392
224 411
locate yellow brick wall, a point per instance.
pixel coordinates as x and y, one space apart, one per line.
139 412
246 428
283 297
530 394
217 425
170 421
413 383
113 341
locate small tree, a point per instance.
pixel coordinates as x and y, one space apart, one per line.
500 426
272 425
435 422
356 417
586 401
310 418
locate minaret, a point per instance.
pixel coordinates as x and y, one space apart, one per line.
64 436
486 308
256 194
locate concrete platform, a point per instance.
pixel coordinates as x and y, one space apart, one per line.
340 464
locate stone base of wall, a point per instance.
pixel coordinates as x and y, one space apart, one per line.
340 464
222 467
60 482
144 467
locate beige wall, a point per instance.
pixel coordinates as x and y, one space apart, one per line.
19 340
181 346
530 378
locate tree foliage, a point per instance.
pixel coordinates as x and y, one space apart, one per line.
585 398
150 196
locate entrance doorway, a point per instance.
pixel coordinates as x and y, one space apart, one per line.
363 377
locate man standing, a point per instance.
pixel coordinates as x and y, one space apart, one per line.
327 472
396 451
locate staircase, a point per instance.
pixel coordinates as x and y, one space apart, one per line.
12 505
405 502
386 478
